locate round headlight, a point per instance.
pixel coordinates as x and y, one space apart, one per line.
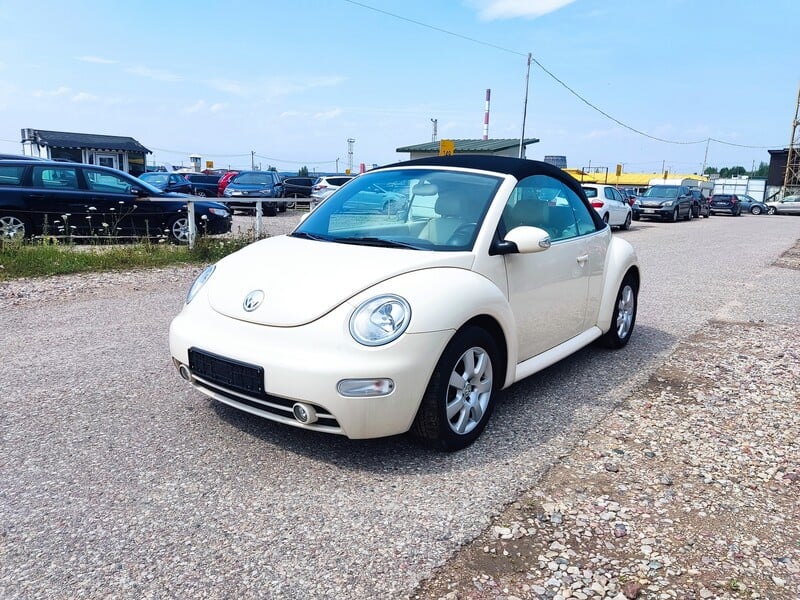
200 282
380 320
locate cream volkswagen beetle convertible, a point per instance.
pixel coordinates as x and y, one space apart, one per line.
368 323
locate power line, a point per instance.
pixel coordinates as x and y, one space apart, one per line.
554 77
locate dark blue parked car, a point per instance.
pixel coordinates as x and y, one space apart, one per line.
78 200
247 187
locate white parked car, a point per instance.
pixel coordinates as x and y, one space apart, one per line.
325 186
403 320
609 203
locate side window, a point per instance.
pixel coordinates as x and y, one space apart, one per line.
103 181
11 175
610 194
545 202
58 178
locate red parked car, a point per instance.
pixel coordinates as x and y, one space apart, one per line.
224 180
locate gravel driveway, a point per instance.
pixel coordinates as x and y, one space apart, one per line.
119 481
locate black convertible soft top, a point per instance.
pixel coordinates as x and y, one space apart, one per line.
520 168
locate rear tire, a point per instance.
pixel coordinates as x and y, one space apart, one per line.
13 227
459 398
755 210
627 224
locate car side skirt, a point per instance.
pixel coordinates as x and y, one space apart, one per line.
552 356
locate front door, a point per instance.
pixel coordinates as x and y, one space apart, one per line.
548 291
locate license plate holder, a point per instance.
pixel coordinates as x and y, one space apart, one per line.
228 373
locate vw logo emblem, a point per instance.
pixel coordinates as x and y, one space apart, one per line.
253 300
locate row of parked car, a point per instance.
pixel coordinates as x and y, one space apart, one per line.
239 188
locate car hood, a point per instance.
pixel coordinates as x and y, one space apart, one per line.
303 280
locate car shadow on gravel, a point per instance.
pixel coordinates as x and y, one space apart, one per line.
548 408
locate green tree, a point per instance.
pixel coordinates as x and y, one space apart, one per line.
711 171
763 170
302 172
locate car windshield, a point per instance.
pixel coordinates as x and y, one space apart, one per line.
157 179
422 209
253 179
590 192
661 191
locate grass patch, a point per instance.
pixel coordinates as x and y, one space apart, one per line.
41 259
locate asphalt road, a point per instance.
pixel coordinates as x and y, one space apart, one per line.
118 480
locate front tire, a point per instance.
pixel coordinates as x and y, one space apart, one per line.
771 210
459 398
624 317
178 231
675 215
200 194
755 210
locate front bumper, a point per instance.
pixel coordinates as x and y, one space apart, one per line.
305 364
652 212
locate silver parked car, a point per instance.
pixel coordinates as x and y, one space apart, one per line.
790 205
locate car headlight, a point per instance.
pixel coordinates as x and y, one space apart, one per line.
200 282
668 203
227 192
380 320
220 212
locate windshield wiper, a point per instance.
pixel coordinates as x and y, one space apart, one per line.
375 241
310 236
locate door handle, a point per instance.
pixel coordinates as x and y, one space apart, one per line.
582 259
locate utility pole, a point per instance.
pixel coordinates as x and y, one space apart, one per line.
350 142
252 160
525 108
337 165
791 180
435 123
705 157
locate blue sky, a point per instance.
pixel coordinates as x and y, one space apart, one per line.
293 80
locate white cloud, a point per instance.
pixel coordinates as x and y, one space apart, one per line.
156 74
327 115
227 85
218 107
60 91
97 60
196 107
273 87
84 97
490 10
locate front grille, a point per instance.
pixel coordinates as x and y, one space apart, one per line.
227 373
242 385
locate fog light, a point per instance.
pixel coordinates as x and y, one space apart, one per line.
359 388
304 413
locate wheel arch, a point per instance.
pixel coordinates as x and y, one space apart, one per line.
621 262
491 326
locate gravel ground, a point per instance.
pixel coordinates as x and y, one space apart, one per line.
118 481
689 489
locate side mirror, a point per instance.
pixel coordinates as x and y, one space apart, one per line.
137 191
523 240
